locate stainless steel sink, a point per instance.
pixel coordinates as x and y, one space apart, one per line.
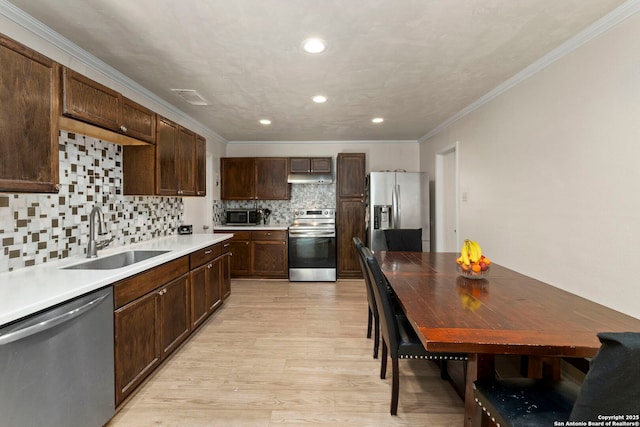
118 260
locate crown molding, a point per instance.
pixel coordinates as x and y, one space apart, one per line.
602 25
37 28
348 142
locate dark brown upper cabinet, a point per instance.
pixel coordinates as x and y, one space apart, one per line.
175 159
29 109
310 165
254 178
91 102
201 166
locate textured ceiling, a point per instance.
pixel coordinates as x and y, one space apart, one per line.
414 62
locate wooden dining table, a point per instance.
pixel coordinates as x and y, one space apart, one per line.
505 313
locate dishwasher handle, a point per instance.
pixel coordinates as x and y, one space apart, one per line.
50 323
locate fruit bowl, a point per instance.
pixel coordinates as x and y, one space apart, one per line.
470 274
471 263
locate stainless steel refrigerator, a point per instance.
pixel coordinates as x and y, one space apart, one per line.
397 200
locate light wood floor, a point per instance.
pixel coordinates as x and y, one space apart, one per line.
281 353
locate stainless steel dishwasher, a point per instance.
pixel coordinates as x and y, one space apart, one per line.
56 367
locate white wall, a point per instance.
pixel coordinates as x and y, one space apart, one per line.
389 155
551 172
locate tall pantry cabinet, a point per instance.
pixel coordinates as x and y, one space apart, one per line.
350 211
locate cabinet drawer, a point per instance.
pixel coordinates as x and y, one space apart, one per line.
239 235
225 247
205 255
269 235
136 286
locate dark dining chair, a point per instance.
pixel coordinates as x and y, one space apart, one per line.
404 239
399 340
610 387
373 322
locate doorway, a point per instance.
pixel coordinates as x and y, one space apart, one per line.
446 204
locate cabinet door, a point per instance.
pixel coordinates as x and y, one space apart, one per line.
269 258
186 162
351 175
237 178
350 222
137 121
300 165
137 343
174 313
166 167
89 101
201 166
271 178
321 165
199 310
225 275
29 109
214 290
240 257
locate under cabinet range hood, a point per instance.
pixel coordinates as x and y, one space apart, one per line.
310 178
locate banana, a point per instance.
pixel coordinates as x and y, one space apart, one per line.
471 251
475 252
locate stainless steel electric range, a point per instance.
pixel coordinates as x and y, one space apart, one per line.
312 245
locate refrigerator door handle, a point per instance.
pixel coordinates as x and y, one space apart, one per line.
395 208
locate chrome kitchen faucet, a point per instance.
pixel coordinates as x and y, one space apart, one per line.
93 246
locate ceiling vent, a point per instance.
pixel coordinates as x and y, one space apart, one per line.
191 96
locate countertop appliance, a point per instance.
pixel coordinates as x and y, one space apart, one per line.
57 367
242 217
312 245
185 229
396 200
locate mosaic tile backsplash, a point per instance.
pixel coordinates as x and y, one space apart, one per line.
36 228
302 196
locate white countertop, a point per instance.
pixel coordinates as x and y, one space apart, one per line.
251 227
28 290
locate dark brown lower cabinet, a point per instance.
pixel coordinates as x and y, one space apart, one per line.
240 247
174 313
199 310
210 281
137 343
156 311
151 319
269 258
352 213
225 270
259 253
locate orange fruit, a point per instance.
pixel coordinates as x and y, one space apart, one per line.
476 268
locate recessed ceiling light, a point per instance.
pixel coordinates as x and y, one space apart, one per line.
314 45
378 120
319 99
265 122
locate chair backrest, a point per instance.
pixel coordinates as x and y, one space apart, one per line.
386 313
363 265
404 239
612 385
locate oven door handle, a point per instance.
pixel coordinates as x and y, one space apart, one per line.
314 233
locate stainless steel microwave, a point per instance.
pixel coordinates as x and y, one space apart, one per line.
242 217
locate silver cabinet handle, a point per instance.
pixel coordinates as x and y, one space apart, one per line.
123 128
207 252
50 323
